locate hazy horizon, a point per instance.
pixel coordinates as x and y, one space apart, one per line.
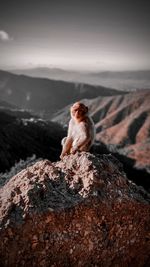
67 69
74 35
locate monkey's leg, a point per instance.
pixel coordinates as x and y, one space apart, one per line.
86 147
74 146
81 144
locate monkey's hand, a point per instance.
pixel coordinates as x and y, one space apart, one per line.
74 150
62 155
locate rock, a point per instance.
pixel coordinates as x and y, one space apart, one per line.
81 211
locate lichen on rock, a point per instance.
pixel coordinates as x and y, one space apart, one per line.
81 211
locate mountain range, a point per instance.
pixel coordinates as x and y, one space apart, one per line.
121 80
44 96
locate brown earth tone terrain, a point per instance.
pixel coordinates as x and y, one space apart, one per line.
127 125
122 123
81 211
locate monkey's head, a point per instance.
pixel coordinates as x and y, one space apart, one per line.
78 111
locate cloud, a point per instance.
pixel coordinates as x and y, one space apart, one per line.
4 36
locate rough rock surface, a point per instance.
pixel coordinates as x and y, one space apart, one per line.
81 211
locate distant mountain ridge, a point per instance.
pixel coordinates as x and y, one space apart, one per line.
121 80
45 96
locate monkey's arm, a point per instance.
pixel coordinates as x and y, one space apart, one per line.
68 142
67 146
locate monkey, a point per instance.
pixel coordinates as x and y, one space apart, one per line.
81 131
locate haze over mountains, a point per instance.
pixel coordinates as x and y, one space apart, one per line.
45 96
121 80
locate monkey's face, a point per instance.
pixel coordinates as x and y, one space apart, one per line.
78 111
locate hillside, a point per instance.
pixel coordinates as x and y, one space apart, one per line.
45 96
23 135
122 123
126 125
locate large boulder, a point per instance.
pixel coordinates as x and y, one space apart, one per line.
81 211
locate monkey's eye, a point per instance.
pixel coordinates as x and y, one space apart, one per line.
75 110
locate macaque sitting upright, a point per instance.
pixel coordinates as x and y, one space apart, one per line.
81 131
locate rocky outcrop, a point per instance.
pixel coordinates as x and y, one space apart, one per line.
81 211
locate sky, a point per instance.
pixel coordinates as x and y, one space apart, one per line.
78 35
